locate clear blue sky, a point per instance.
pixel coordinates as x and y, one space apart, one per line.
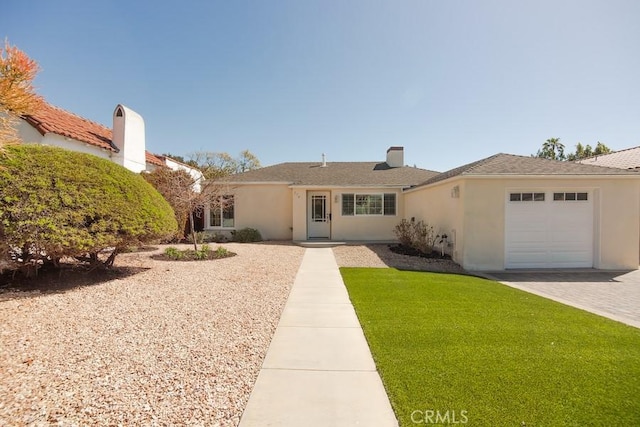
451 81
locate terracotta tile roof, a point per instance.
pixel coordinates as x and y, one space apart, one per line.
512 165
50 119
623 159
154 159
350 174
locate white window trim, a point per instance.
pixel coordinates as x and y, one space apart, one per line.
355 213
221 227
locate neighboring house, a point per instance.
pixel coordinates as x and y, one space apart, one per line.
623 159
123 144
501 212
509 211
321 200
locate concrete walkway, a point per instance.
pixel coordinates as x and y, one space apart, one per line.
318 370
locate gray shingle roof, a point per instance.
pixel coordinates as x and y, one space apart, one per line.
512 165
346 174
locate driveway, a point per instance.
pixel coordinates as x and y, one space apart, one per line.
615 295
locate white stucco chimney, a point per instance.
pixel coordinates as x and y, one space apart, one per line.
128 136
395 157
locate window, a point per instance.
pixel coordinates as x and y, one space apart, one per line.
223 215
369 204
570 197
390 204
526 197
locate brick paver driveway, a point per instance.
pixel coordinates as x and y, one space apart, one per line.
611 294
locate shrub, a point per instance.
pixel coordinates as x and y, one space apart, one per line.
56 203
247 235
404 232
415 234
423 237
204 253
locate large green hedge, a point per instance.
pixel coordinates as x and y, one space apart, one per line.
56 203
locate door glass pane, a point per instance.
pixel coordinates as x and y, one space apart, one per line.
318 204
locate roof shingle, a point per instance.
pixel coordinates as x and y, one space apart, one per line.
512 165
348 174
623 159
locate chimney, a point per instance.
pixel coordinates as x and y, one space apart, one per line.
128 136
395 157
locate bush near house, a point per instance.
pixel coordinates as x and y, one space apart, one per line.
56 203
417 235
246 235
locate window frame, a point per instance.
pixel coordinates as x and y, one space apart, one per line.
527 196
221 210
367 202
574 196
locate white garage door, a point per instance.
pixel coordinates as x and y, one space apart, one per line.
547 229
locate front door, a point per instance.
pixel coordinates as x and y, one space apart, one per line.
318 215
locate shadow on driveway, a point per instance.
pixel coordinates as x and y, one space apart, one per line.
569 276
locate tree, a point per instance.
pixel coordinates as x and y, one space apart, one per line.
172 184
177 187
247 161
552 149
17 94
57 203
215 165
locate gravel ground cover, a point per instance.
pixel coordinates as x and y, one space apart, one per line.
171 343
379 255
160 342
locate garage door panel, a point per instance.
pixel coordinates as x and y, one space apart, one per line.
549 233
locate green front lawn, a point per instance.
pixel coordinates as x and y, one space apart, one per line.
457 348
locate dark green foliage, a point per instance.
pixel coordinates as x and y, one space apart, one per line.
202 254
56 203
247 235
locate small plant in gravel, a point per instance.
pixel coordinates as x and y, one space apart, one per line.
202 254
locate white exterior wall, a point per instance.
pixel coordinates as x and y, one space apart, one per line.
29 135
194 173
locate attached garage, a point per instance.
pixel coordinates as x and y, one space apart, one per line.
549 229
517 212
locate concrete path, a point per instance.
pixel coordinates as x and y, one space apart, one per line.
611 294
318 370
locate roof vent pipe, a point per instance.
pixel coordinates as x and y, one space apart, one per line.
324 160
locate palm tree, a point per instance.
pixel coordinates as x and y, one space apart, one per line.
552 149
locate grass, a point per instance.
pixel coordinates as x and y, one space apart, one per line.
491 355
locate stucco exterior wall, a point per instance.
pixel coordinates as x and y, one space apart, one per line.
364 227
266 208
480 230
440 206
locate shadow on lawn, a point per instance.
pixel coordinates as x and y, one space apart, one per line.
66 278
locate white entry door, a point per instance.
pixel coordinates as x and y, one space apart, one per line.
318 215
